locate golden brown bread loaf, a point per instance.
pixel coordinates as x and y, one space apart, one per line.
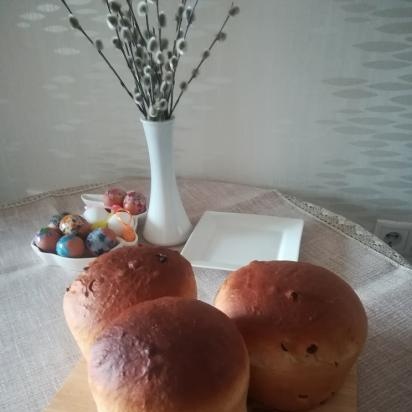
170 355
303 326
119 280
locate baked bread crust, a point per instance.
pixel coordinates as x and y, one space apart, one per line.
304 328
170 355
119 280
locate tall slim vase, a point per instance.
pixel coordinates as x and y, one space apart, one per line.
167 223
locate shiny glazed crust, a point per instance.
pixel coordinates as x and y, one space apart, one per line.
304 327
170 355
119 280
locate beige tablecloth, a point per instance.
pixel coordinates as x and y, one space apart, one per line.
37 351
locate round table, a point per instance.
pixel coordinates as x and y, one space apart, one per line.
37 351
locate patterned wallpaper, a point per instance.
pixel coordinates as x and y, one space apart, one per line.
313 97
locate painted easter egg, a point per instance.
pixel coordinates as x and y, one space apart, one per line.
71 246
46 239
113 196
135 203
96 216
74 224
101 240
55 220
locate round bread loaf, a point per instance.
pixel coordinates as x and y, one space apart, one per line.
119 280
303 326
170 355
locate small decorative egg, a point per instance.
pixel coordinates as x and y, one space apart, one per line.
96 216
117 221
74 224
113 196
55 220
101 240
135 203
46 239
71 246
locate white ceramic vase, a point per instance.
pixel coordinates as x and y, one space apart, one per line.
167 223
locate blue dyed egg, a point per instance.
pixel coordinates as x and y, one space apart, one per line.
101 240
70 246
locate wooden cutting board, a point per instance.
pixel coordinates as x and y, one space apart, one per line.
75 396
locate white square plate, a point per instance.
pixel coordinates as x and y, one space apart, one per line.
228 241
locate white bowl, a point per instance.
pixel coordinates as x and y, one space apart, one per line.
73 264
77 264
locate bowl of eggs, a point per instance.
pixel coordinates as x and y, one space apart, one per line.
73 241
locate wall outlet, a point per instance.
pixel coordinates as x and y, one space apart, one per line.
398 235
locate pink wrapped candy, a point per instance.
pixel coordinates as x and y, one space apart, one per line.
135 203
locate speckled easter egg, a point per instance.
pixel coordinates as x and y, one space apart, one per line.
74 224
55 220
135 203
71 246
46 239
113 196
100 241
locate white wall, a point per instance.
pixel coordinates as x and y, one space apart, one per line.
313 97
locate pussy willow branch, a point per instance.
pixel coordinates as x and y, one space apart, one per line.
148 30
192 16
160 38
140 106
158 22
121 47
134 20
178 27
128 55
102 55
122 16
180 20
139 86
189 23
216 39
131 64
147 17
